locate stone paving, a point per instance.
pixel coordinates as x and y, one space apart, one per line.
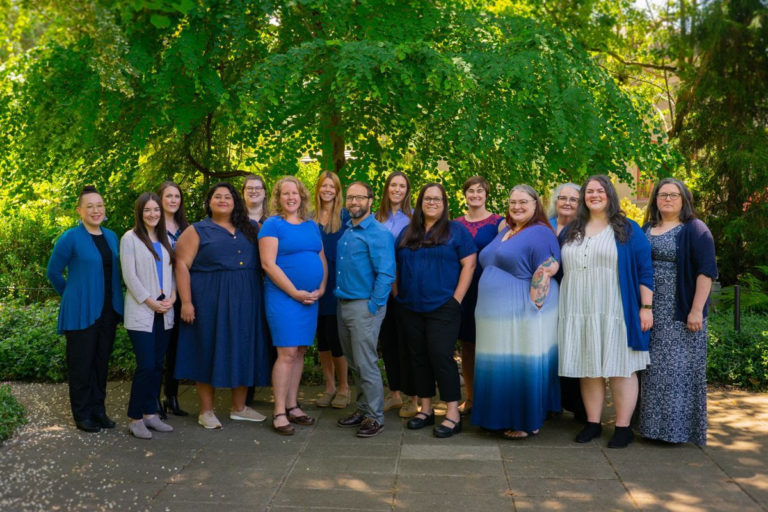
51 466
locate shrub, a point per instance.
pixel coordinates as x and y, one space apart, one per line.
738 358
12 413
31 350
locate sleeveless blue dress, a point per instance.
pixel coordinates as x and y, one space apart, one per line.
225 346
291 323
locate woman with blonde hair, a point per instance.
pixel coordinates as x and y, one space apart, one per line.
332 219
292 256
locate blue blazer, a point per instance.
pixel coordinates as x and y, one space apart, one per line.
635 269
82 292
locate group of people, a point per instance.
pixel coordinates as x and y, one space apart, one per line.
545 307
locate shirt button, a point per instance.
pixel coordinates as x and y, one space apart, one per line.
241 262
239 251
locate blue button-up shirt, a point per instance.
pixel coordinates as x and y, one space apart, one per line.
365 263
396 222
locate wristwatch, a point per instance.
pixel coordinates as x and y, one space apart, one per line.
647 306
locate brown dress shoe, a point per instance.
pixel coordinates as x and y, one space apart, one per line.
353 420
369 428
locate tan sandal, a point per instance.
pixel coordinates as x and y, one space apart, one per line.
325 399
516 435
341 400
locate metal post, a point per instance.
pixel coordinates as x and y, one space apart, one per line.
737 308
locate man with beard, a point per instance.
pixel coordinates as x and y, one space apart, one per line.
365 266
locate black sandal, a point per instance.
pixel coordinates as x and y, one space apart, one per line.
283 430
303 420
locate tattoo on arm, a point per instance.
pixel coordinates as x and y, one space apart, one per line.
540 282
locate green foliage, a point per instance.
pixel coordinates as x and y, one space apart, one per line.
738 358
12 413
754 292
31 350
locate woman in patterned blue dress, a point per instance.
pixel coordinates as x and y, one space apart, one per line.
292 257
516 381
483 226
673 398
217 278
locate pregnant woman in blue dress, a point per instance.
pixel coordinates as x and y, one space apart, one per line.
218 281
292 257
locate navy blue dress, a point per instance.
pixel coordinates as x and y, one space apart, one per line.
483 232
220 347
330 242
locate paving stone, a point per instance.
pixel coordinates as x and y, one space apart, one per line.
469 484
334 499
544 462
450 452
456 501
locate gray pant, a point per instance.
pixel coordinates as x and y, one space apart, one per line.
359 335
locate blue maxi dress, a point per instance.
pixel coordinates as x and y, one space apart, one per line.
516 379
220 347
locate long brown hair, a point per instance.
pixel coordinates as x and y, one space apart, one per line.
385 208
687 213
334 223
179 215
539 215
415 234
616 216
140 230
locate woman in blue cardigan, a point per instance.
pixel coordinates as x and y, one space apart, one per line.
605 307
673 403
91 307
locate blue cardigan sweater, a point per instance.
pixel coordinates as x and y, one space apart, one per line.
695 256
82 292
635 269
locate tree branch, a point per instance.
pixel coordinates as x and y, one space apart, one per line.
647 65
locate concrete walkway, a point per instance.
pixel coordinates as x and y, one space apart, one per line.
51 466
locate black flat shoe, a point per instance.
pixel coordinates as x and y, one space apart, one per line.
88 426
589 432
103 420
421 420
621 438
442 431
161 410
172 404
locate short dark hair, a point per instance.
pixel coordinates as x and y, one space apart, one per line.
688 211
368 189
476 180
88 189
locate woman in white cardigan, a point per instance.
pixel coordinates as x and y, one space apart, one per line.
146 258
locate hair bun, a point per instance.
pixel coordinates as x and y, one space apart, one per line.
88 189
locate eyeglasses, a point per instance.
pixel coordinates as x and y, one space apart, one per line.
433 200
521 202
352 199
253 189
566 199
669 195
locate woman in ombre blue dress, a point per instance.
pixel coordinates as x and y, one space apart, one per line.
516 380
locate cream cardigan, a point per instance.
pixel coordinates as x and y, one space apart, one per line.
140 276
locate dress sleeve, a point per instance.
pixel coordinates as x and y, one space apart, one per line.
543 246
269 228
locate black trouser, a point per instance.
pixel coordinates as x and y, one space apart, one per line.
88 352
394 351
171 385
431 339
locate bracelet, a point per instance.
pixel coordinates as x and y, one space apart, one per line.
647 306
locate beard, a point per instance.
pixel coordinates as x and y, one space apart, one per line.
358 213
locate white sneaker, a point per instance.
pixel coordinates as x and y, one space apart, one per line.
209 420
247 414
